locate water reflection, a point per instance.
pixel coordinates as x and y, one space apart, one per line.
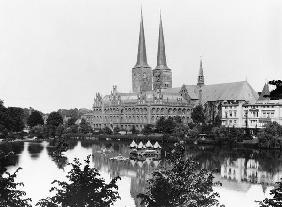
35 149
246 174
9 154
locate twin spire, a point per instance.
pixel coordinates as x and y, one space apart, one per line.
141 55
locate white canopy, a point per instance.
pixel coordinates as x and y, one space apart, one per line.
140 145
133 144
157 146
148 144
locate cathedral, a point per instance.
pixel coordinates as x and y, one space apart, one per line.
153 96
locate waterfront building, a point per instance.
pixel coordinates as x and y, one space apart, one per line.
153 96
252 115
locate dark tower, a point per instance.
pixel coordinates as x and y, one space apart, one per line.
141 72
162 77
201 79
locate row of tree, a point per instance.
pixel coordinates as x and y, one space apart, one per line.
55 126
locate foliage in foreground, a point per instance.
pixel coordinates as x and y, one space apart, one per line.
184 184
276 200
85 187
9 194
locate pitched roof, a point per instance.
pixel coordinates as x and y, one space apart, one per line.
219 92
229 91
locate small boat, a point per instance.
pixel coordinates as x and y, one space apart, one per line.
119 158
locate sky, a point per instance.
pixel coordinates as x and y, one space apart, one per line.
58 53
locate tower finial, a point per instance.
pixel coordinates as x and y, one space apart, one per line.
141 55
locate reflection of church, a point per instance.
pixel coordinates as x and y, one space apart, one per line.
137 171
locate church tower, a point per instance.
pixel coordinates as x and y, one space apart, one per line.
162 77
201 79
141 72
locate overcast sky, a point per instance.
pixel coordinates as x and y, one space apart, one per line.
59 53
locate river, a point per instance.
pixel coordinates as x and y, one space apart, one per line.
246 174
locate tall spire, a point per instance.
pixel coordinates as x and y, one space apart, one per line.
161 60
201 80
141 56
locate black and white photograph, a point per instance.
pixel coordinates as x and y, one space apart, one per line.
140 103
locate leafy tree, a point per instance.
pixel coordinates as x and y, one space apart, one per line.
54 119
180 131
134 130
177 120
116 130
148 129
15 119
217 121
183 184
107 130
268 136
276 200
160 125
169 125
60 130
34 119
198 115
84 127
165 125
9 194
71 121
85 187
276 93
74 129
37 131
